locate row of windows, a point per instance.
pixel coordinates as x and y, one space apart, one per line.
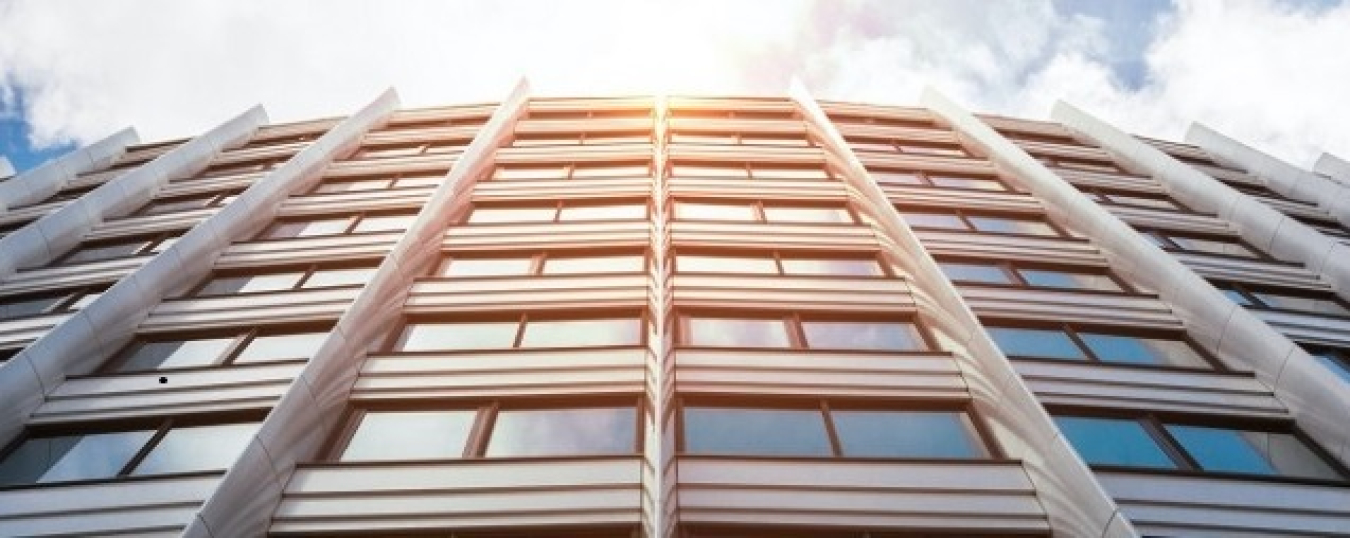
160 206
908 147
395 181
1024 275
125 247
583 138
1311 302
740 138
242 346
944 180
397 150
50 302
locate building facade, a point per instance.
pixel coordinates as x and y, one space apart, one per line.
675 317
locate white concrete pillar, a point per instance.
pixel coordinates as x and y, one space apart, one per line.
40 183
1075 503
294 431
6 169
59 231
1334 167
1280 176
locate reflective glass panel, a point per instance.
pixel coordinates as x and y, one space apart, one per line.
459 336
832 266
1251 452
1011 226
71 457
489 215
862 335
419 181
582 332
905 434
410 435
573 213
732 332
1212 246
1038 343
897 178
469 267
563 432
17 307
1110 441
1074 281
227 285
696 263
969 272
309 228
176 354
807 214
977 183
277 347
93 253
326 278
1139 350
933 220
197 448
1313 305
700 211
384 223
569 265
755 432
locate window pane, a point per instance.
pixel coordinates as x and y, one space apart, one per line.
1250 452
488 215
984 184
1075 281
384 223
459 336
563 432
832 266
698 211
1038 343
933 220
1137 350
1011 226
350 186
572 213
582 332
277 347
690 170
897 178
1236 296
759 432
91 253
731 332
779 172
693 263
17 307
969 272
1213 246
1110 441
905 434
172 205
410 435
420 181
309 228
326 278
228 285
176 354
807 214
862 335
609 171
462 267
71 457
568 265
197 448
1326 305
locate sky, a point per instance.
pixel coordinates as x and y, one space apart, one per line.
1272 73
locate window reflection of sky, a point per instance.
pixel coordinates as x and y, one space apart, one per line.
731 332
861 335
729 430
410 435
198 448
557 432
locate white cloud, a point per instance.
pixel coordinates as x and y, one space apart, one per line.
1267 73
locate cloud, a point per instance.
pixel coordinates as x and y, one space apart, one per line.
1262 71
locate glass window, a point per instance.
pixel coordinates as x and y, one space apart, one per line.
277 347
807 214
732 332
1039 343
71 457
573 213
702 211
610 171
354 276
1335 362
459 336
384 223
175 354
419 181
173 205
696 263
93 253
489 215
472 267
969 272
961 182
832 266
1110 441
309 228
410 435
782 172
197 448
351 186
1250 452
933 220
1314 305
563 432
862 335
1011 226
582 332
569 265
906 434
1211 246
1065 280
17 307
1140 350
897 178
227 285
738 431
692 170
530 172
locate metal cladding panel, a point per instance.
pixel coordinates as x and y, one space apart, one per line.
401 136
188 186
1057 250
1003 302
1308 328
31 212
913 134
248 310
1170 220
926 375
894 496
835 294
1071 383
1021 125
1251 271
1170 505
758 126
362 246
561 189
169 222
926 163
403 199
935 197
460 495
131 507
437 164
20 332
64 276
1117 182
502 373
1075 151
246 153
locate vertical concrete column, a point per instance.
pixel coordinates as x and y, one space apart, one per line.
59 231
1274 232
1334 167
1280 176
40 183
294 431
1315 399
660 481
80 343
6 170
1075 503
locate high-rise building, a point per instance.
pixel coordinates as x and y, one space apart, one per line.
675 317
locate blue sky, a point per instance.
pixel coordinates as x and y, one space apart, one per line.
73 71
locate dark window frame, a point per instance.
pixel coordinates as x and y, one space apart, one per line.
306 272
1249 293
241 339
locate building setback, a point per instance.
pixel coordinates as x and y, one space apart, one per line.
674 317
